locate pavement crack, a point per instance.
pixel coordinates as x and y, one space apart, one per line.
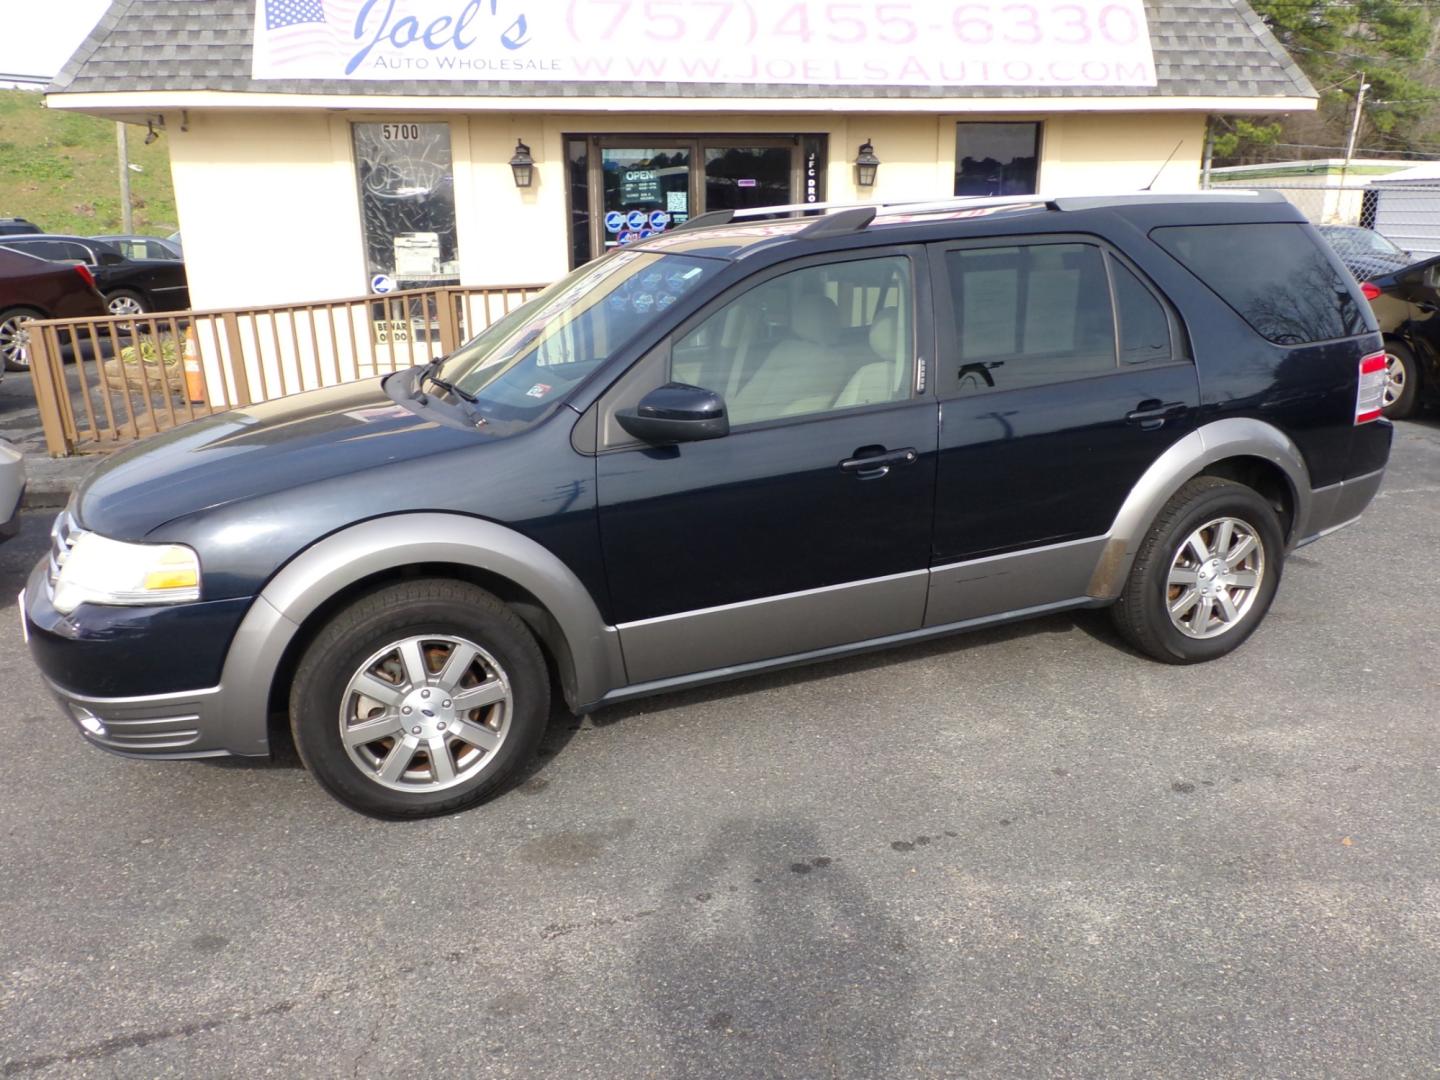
112 1046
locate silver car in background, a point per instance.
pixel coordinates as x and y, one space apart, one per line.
12 487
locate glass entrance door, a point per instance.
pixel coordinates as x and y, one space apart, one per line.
742 177
644 191
623 189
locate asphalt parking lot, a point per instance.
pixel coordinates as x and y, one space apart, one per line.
1026 852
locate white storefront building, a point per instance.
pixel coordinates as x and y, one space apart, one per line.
321 145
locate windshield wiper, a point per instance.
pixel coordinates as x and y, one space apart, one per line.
428 375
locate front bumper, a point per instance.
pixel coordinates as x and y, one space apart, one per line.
160 726
114 653
10 525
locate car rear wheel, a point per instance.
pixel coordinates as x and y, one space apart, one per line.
1204 576
421 698
15 338
1402 381
125 302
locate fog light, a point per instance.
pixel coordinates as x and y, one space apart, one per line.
87 720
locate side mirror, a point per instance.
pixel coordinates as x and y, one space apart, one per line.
110 258
676 413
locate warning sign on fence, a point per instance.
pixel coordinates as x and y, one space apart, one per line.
391 332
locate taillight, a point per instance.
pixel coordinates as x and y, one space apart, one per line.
84 272
1370 398
1370 290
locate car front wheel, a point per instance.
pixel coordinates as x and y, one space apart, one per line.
419 699
15 338
1204 576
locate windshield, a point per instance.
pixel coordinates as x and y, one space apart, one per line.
521 365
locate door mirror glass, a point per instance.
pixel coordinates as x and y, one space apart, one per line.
675 413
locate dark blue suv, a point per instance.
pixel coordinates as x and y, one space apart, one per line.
740 445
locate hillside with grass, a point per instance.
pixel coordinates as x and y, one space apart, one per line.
59 170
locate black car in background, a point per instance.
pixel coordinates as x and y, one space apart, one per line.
133 246
1406 303
1365 252
130 286
17 226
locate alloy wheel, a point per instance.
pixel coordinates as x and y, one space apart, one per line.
1215 577
425 713
1394 380
15 341
125 305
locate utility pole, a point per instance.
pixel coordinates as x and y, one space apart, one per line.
127 223
1354 128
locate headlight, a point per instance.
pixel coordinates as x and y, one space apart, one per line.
101 571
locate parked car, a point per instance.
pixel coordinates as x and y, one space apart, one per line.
144 247
130 286
17 226
1365 252
33 288
1406 303
719 451
12 489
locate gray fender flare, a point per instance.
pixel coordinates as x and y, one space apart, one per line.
587 647
1203 447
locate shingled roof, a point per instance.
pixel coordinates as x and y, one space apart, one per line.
1202 48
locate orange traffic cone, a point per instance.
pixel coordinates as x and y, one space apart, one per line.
194 374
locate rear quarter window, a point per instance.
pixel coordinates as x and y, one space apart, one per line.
1275 275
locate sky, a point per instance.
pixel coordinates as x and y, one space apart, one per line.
39 37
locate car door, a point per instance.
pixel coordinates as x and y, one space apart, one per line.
808 525
1063 374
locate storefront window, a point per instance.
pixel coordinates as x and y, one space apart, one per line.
407 203
996 159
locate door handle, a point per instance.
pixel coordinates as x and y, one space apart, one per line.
879 463
1153 414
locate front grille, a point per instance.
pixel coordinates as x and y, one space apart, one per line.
63 535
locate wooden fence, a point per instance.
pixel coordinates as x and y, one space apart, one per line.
103 382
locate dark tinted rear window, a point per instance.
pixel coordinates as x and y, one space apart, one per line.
1275 275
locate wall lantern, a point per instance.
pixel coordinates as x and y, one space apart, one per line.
866 165
523 165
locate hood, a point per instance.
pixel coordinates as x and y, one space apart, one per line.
256 451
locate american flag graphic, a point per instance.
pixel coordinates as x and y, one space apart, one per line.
300 33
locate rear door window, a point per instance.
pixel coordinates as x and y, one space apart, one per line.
1276 277
1029 314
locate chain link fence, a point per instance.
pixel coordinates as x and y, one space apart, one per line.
1407 212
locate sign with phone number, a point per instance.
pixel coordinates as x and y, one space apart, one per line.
755 42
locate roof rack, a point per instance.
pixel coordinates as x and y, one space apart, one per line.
835 219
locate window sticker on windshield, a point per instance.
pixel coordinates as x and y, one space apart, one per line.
539 390
379 412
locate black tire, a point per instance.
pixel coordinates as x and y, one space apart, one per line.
1142 614
1400 363
402 611
137 303
9 318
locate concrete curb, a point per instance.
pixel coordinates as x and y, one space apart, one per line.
47 495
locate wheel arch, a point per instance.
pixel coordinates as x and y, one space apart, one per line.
301 597
1242 449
